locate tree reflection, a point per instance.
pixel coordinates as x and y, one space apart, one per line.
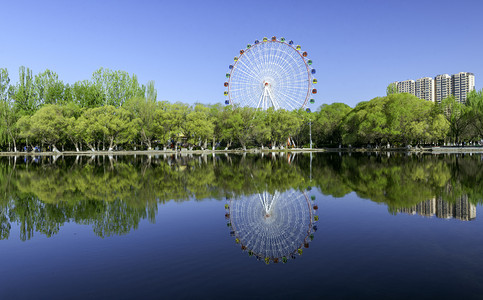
113 194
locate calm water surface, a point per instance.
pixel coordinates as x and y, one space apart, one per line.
314 226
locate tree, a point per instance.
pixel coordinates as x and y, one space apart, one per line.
151 93
88 94
48 125
326 125
48 88
261 130
163 124
176 119
5 105
391 89
283 124
457 114
398 118
409 118
229 125
24 126
115 125
117 86
25 96
144 109
215 117
199 127
475 114
366 123
90 128
8 111
72 112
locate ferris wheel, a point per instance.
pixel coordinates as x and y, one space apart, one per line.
273 226
271 73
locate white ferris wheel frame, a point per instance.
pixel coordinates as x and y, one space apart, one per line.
267 97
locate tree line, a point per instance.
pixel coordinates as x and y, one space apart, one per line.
113 110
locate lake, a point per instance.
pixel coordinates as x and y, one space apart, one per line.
278 225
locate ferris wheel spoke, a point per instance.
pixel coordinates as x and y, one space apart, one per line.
255 78
288 100
250 71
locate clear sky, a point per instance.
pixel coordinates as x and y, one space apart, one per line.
358 47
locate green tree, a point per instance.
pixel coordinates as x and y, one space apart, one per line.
163 125
199 126
457 115
144 109
48 125
117 86
25 95
366 123
475 114
326 126
9 113
72 111
88 94
5 106
391 89
108 123
48 88
176 117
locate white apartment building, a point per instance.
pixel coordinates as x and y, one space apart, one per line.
408 86
442 87
425 88
463 83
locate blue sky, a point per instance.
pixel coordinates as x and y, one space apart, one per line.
358 47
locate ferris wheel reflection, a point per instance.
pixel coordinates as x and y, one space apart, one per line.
273 226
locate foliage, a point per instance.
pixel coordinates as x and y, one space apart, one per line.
114 110
391 89
400 118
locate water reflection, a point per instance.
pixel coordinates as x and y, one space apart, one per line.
462 209
273 227
113 194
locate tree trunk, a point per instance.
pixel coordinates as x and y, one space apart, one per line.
111 144
228 145
54 148
14 143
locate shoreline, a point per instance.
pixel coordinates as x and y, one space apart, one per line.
434 150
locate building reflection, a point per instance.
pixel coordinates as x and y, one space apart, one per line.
461 209
272 227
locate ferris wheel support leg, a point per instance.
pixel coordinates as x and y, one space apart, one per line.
261 99
270 95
